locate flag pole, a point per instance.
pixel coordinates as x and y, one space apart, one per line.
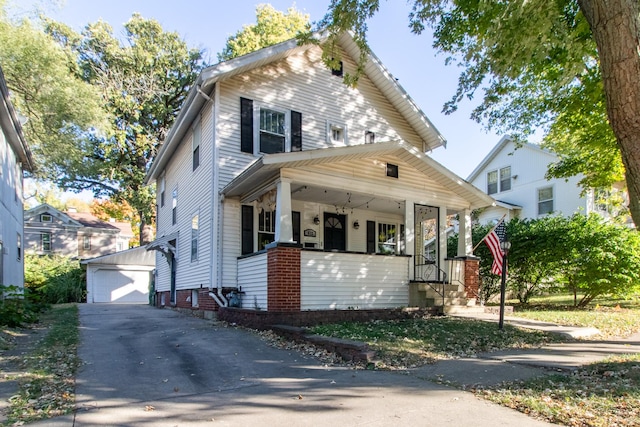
490 231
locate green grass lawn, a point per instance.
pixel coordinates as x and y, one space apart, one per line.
47 379
614 318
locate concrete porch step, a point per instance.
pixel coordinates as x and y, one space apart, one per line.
449 294
429 286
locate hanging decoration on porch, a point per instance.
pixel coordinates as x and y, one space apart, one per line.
267 202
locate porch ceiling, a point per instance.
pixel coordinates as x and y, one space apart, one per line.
344 202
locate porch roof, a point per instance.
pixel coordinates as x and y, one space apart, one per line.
263 173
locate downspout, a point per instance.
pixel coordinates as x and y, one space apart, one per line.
213 271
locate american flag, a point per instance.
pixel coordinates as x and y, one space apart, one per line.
493 239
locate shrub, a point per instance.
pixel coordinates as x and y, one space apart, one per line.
15 308
56 279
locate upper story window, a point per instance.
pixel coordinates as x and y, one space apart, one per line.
46 218
272 131
369 137
339 70
174 207
86 242
195 144
267 130
499 180
545 200
336 133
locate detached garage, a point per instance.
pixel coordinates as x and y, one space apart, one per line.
122 277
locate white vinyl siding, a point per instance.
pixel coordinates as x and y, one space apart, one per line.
328 98
230 240
338 281
192 198
252 278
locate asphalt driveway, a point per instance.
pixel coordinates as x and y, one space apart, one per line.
144 366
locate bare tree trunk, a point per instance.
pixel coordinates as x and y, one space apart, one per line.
616 28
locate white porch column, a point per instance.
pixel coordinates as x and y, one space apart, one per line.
442 231
284 223
410 235
465 243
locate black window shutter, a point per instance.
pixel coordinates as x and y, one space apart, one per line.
247 229
371 237
246 125
296 131
295 217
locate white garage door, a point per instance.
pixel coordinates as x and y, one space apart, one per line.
122 286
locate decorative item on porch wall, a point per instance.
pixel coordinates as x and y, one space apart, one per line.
267 202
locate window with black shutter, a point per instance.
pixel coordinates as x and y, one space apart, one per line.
247 229
296 131
246 125
371 237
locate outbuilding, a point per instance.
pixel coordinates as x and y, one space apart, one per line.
121 277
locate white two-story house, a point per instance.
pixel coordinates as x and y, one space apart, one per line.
299 193
15 158
515 177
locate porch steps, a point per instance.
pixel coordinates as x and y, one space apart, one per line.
461 309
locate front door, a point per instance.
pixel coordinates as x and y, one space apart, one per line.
427 240
335 232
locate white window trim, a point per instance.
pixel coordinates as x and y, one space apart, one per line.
43 215
257 106
553 200
197 239
196 139
499 180
331 125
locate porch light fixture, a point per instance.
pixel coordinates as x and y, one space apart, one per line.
316 220
356 224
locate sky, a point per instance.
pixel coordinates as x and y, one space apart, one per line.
206 24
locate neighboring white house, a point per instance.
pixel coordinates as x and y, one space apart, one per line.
280 182
15 158
515 177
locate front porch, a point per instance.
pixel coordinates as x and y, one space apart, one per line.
289 278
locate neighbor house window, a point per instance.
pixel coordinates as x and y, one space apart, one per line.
194 238
86 242
499 180
19 247
174 207
45 218
492 182
387 238
195 144
505 178
45 242
545 200
266 228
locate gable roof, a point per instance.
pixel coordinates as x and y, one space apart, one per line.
13 128
504 141
267 167
374 69
80 219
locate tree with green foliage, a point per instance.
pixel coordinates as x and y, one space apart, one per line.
44 79
144 79
570 67
271 27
